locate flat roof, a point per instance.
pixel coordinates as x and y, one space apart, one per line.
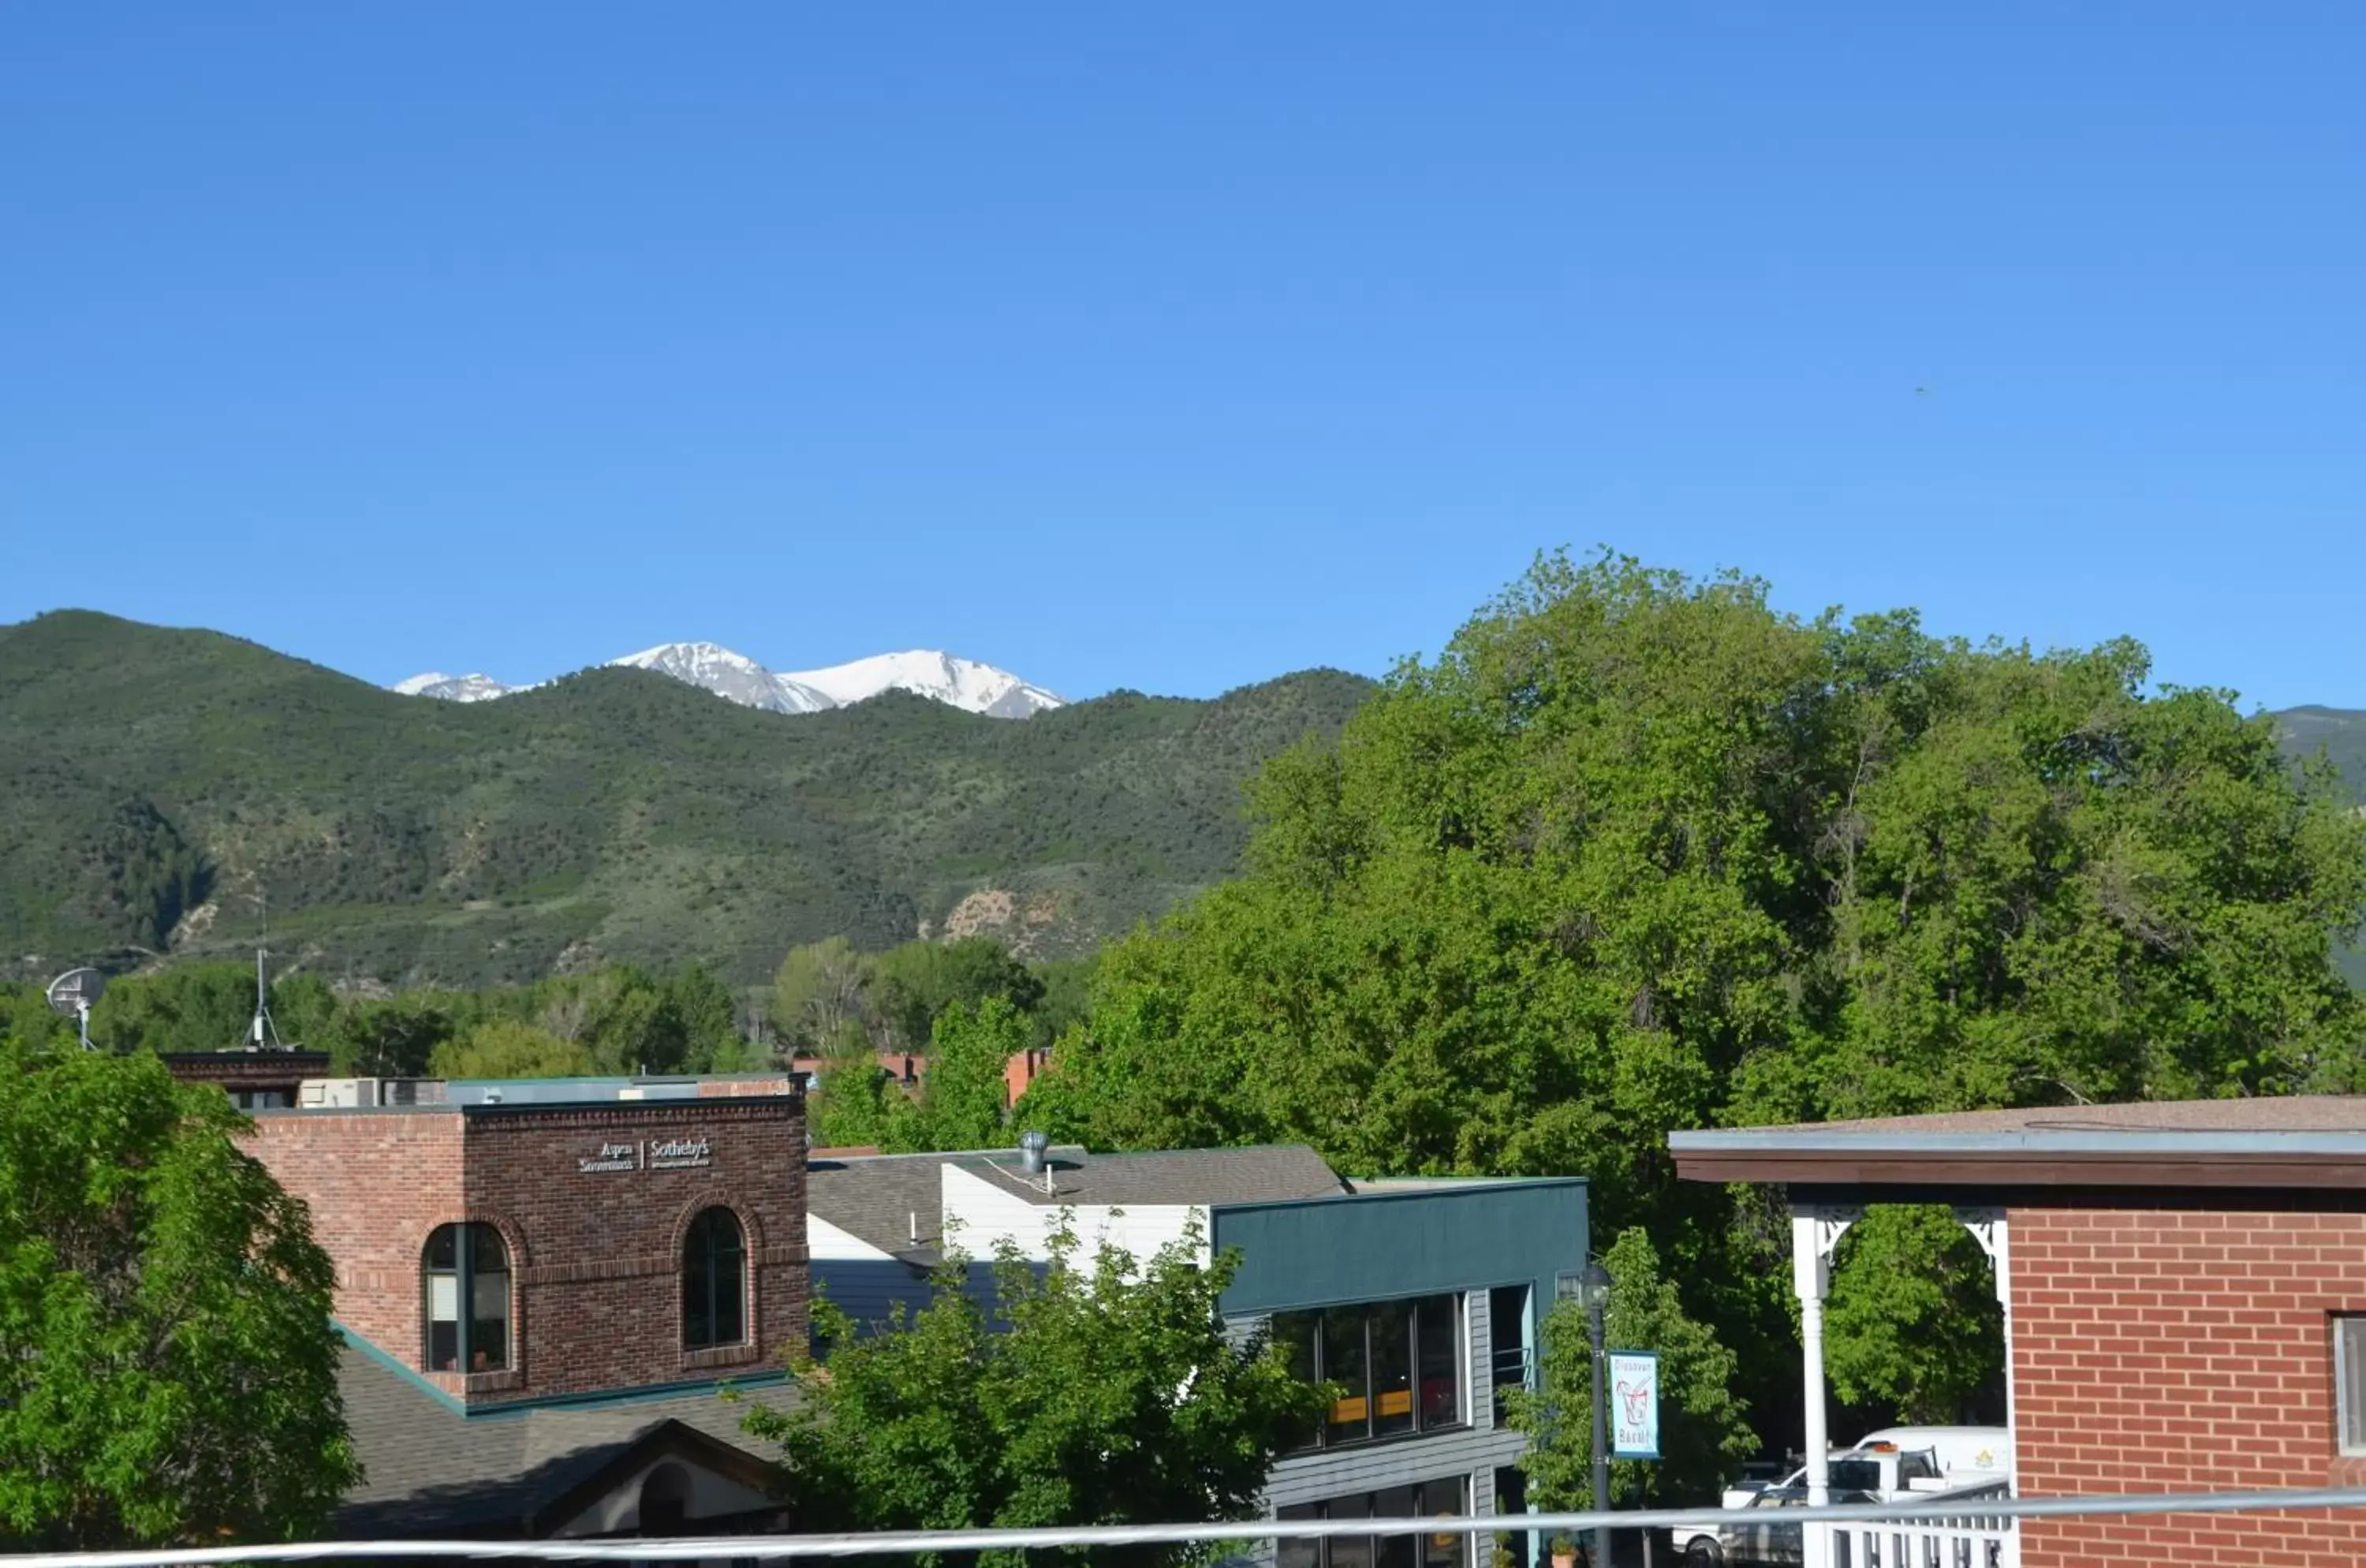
2297 1141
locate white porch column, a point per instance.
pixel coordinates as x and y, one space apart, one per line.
1815 1231
1988 1227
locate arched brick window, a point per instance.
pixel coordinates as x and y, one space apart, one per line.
714 1281
464 1285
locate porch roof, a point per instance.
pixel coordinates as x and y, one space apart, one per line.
2302 1141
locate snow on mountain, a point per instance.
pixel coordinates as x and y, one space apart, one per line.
454 688
728 675
959 682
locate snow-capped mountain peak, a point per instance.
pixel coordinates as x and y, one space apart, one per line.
942 677
959 682
474 688
728 674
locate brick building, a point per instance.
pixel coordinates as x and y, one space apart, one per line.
2184 1288
542 1287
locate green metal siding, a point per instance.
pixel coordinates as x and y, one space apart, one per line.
1377 1246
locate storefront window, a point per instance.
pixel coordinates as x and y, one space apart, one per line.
1398 1365
714 1281
1448 1497
467 1282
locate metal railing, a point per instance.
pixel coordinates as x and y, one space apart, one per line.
1938 1521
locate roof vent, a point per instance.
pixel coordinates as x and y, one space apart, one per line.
1030 1152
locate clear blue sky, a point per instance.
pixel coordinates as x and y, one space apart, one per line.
1178 346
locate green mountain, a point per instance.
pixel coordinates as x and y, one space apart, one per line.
157 787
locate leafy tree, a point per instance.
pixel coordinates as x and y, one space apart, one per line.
820 995
702 1006
965 1094
191 1007
396 1037
504 1048
1913 1322
1704 1429
915 985
1639 853
1100 1391
167 1369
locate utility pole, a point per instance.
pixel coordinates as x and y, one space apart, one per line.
1597 1302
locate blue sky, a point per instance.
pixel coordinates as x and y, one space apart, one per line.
1175 347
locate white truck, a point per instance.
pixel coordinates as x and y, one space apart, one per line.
1764 1530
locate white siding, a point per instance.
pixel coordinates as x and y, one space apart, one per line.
981 1212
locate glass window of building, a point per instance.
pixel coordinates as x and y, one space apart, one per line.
1398 1365
714 1281
467 1284
1448 1498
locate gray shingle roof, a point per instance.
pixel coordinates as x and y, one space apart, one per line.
428 1469
874 1197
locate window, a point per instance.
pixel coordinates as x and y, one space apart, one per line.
714 1281
1398 1365
467 1287
1447 1498
1507 1318
2349 1384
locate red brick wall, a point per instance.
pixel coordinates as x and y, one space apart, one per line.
2161 1351
598 1255
595 1258
377 1183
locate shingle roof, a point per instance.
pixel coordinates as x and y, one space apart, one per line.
875 1198
429 1470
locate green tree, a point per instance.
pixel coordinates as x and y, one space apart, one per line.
1092 1391
821 994
1704 1428
504 1048
1639 853
702 1005
964 1095
917 983
167 1368
1913 1323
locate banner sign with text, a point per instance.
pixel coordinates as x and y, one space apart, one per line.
1634 1405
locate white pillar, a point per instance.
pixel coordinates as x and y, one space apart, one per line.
1988 1228
1815 1231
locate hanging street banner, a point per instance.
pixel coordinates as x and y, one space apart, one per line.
1634 1405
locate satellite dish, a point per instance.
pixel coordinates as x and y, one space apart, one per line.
73 992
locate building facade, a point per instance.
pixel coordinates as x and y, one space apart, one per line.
1421 1299
543 1286
2184 1288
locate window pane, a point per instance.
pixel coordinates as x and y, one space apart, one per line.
441 1248
1350 1550
1297 1553
1295 1333
1438 1320
1343 1363
731 1300
444 1346
1396 1502
1445 1500
486 1253
2349 1354
1391 1368
443 1298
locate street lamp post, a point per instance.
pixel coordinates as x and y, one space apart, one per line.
1597 1300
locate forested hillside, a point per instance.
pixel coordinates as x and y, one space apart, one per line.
154 783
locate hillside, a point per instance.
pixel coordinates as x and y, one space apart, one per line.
153 781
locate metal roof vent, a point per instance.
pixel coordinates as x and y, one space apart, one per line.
1032 1147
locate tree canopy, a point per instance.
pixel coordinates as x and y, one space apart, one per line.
1640 852
1098 1390
167 1367
1704 1429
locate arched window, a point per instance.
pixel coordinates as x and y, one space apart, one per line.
466 1282
714 1281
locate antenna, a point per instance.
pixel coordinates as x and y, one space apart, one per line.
73 992
262 1030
